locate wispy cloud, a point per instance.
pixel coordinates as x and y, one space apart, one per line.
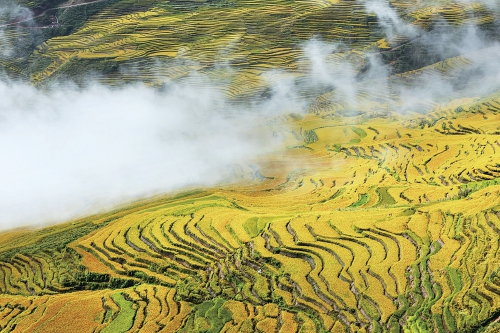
389 19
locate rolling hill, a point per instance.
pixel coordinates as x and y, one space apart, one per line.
379 210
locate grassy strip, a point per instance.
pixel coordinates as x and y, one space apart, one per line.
363 199
335 195
359 131
456 282
125 318
255 225
384 197
467 189
208 317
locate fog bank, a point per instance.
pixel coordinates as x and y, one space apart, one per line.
68 152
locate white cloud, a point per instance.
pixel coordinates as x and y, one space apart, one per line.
81 151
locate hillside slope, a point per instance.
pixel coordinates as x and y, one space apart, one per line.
379 211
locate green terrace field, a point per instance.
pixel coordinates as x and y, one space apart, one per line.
378 217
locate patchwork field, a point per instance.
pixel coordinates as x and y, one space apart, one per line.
378 217
385 225
234 42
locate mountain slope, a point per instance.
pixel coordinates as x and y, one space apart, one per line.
379 211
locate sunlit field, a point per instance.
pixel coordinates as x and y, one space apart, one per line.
377 210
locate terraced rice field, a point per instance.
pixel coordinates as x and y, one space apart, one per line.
378 217
156 42
390 225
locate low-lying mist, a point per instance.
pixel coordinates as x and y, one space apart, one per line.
68 152
71 152
374 77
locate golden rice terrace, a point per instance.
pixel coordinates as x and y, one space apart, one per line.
374 216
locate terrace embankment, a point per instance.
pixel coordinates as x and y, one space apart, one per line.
394 222
378 217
